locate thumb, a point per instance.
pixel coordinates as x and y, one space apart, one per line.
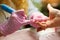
52 11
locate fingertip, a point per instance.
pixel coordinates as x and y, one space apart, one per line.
20 10
49 7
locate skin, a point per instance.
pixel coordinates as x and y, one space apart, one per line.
53 19
54 15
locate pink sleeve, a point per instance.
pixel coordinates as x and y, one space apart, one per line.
14 23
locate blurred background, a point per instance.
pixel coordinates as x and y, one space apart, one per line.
42 5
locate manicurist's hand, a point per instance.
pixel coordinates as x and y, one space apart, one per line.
16 20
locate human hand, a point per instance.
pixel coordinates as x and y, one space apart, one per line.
37 17
16 20
54 18
54 15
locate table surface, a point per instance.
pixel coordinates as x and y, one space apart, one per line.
26 34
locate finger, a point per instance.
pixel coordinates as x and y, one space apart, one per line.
20 13
52 11
52 23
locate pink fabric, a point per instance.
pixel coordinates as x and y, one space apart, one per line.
37 16
16 20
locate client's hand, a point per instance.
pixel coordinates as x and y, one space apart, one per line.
54 15
54 18
37 17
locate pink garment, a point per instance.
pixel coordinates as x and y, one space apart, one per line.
16 20
37 16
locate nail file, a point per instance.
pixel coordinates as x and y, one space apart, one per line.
7 8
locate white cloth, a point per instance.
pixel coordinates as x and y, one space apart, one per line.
24 34
49 34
